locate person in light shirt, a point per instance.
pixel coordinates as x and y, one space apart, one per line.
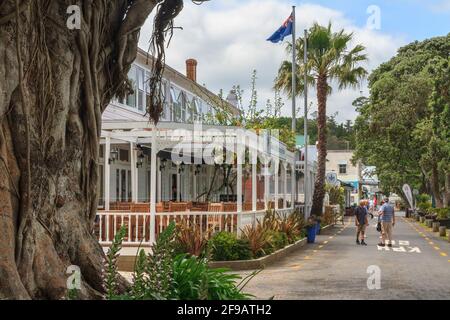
387 218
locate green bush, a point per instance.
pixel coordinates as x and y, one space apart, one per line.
196 281
424 206
277 240
161 275
422 198
442 213
225 246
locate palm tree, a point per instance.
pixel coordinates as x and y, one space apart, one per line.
329 60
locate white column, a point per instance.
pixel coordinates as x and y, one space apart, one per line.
266 187
194 187
254 185
239 187
293 185
178 183
239 197
159 188
153 187
107 173
277 165
133 164
285 186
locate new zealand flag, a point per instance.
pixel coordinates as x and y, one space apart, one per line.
283 31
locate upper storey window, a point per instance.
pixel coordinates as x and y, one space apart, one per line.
178 105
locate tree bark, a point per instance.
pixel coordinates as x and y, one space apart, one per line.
50 125
319 185
434 182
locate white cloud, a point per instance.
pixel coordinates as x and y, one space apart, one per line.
228 40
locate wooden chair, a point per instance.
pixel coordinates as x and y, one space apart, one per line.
214 220
199 207
116 206
177 207
247 206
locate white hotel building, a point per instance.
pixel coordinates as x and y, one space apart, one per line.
142 188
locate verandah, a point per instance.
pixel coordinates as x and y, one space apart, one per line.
258 161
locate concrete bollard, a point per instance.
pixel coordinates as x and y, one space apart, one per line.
422 219
442 231
435 226
428 223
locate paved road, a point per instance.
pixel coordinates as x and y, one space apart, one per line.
417 267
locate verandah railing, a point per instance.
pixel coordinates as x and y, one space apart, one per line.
138 225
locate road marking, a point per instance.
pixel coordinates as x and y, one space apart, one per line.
325 242
330 237
437 248
443 254
431 242
307 258
321 246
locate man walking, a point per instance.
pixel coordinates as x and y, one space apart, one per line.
387 218
361 222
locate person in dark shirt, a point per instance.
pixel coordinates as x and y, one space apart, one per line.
361 222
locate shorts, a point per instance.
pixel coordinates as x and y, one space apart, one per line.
386 229
361 228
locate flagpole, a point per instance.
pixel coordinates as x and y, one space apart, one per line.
294 86
305 88
294 67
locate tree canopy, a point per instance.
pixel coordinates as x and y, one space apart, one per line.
403 128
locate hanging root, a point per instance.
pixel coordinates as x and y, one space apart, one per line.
163 27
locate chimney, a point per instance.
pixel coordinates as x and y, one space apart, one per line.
191 69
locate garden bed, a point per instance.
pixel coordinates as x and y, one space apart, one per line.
262 262
259 263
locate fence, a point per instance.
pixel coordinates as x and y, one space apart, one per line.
139 225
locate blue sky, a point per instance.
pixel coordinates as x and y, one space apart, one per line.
412 19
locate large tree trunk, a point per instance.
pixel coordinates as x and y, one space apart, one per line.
435 188
447 190
319 186
49 136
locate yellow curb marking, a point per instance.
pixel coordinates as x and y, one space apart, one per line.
443 254
320 247
437 248
325 242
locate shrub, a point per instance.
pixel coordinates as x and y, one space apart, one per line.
423 198
271 220
196 281
225 246
257 237
277 240
443 213
291 225
190 239
161 275
424 206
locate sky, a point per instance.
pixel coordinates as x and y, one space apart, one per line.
228 39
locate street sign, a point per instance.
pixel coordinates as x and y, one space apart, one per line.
332 179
